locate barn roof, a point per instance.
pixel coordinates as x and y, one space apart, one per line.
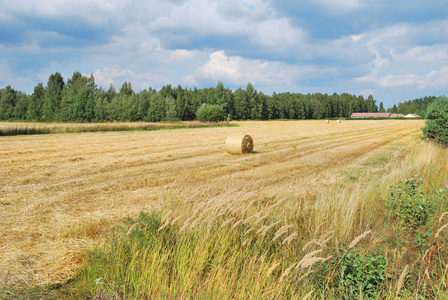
370 115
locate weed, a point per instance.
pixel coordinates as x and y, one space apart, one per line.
408 203
359 274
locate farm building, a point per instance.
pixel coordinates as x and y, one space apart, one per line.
377 115
412 116
370 115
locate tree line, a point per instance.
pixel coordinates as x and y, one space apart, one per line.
79 99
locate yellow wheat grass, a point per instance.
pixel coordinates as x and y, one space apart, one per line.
401 280
286 272
440 230
131 228
272 268
441 217
290 238
308 295
359 238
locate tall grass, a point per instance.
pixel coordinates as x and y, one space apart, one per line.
32 129
238 246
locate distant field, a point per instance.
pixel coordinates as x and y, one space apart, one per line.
28 128
60 194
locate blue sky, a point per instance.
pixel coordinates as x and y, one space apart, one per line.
393 50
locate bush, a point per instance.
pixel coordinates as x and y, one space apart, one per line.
436 128
210 113
408 203
357 273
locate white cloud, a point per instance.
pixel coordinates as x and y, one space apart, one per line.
341 6
436 79
7 77
398 63
117 76
270 75
356 38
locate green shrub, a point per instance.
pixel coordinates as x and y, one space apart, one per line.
359 274
210 113
408 203
436 128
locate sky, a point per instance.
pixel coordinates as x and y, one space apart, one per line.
394 50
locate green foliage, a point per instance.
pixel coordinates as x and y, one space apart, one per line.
7 103
53 97
210 113
34 111
408 204
436 128
154 260
357 273
79 100
170 109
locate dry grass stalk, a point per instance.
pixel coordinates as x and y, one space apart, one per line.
336 243
308 244
285 273
237 223
308 295
440 230
186 223
247 220
276 204
306 274
358 238
401 280
441 217
166 216
248 231
290 238
284 228
264 229
175 220
308 263
193 224
227 222
164 225
261 219
272 268
131 228
282 231
307 257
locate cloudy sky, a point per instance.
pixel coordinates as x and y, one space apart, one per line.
394 50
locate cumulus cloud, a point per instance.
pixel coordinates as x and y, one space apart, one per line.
401 62
436 79
117 76
341 6
266 75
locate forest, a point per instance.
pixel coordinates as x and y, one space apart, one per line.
79 99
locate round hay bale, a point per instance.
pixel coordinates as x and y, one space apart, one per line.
327 121
339 121
239 144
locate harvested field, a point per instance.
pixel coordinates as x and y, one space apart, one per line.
61 193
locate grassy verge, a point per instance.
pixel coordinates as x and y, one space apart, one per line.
70 128
236 256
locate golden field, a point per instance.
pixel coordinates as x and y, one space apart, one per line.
60 194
